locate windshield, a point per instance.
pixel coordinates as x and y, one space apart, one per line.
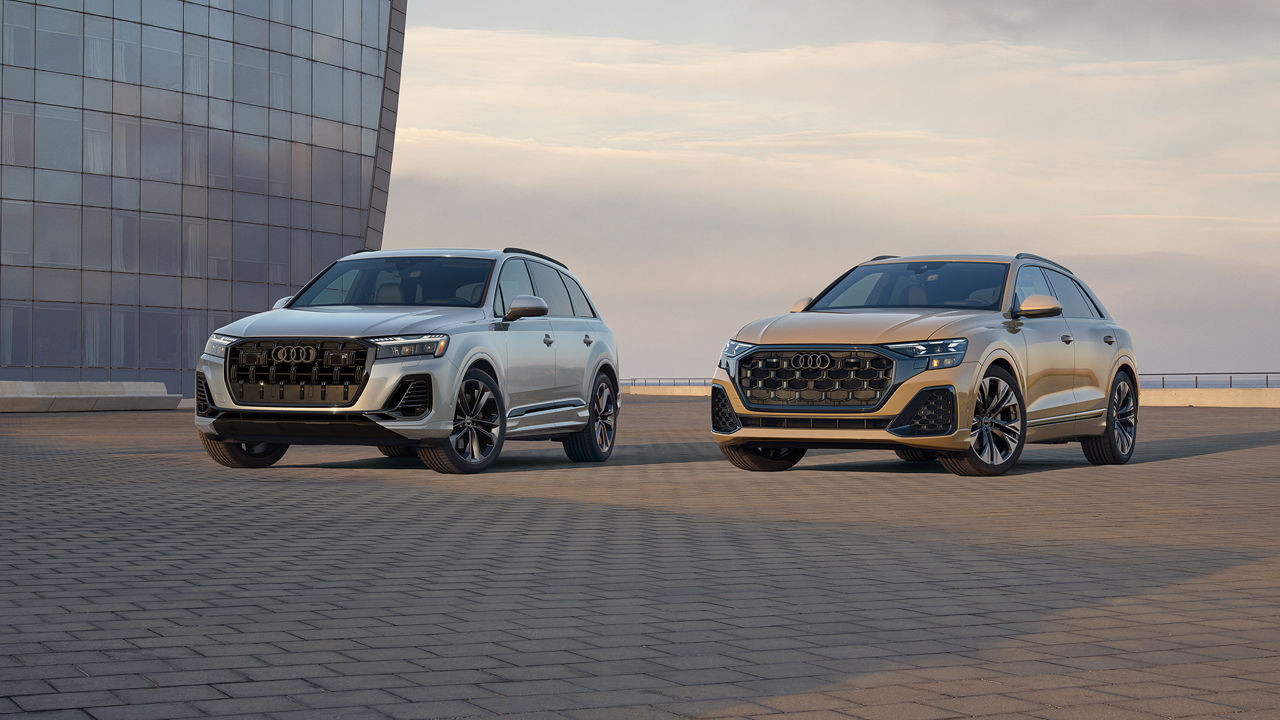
434 281
942 284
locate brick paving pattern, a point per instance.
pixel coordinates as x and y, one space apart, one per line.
140 580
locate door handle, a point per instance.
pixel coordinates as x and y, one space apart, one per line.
586 340
1067 339
1109 339
546 340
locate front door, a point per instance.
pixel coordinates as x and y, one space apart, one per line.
571 351
530 344
1051 356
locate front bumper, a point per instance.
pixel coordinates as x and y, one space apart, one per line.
883 427
370 420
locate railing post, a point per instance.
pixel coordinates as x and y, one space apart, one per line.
1161 382
1197 381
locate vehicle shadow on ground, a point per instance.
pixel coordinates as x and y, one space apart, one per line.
547 457
1147 452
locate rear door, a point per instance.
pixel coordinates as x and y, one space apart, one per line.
1094 339
584 332
530 349
1051 358
571 352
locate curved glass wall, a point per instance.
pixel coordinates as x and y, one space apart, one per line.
169 165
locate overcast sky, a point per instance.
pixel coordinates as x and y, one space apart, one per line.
703 163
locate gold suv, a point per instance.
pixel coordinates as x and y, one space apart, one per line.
961 359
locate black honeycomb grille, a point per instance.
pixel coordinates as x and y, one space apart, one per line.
852 378
723 418
320 373
931 412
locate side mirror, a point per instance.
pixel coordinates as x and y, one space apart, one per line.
801 304
524 306
282 302
1037 306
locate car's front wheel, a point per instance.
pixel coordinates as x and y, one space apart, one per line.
1115 445
997 431
243 455
479 425
594 443
758 459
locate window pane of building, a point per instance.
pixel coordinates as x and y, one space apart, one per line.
59 40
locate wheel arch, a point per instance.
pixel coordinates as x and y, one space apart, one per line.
1125 364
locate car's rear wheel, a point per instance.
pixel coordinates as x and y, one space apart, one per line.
243 455
915 455
998 430
758 459
594 443
398 451
1115 445
479 425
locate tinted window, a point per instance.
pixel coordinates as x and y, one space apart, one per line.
513 281
548 286
581 306
940 284
1074 302
431 281
1031 282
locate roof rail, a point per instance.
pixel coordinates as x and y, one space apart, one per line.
1030 256
522 251
883 257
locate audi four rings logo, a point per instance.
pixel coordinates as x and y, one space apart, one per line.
293 354
811 361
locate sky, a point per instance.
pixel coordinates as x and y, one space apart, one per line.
703 163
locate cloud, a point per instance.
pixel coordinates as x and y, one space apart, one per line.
696 187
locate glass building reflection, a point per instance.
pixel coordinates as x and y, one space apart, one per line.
169 165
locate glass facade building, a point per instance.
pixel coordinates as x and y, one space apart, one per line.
169 165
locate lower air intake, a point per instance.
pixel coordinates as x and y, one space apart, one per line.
723 418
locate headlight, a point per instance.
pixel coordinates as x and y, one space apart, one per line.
939 353
409 345
732 349
217 345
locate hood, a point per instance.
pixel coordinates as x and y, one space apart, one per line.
351 321
861 327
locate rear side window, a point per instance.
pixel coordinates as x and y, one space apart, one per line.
581 307
512 282
1074 302
549 287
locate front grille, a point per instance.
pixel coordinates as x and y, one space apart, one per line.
323 373
723 418
411 398
931 412
853 378
202 395
816 423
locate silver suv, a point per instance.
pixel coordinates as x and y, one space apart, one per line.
439 353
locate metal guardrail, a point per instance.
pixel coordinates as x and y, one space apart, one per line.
1210 380
1147 380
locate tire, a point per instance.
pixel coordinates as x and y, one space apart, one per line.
1115 445
479 427
595 442
398 451
915 455
242 455
762 459
998 430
